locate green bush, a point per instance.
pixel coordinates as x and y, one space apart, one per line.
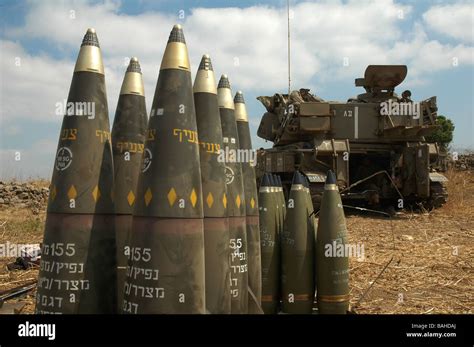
444 134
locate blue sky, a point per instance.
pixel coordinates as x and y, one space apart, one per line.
246 39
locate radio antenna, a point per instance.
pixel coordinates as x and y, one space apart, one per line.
289 55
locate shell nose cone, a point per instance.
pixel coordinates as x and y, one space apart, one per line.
274 181
278 179
331 178
298 178
89 58
206 63
240 109
176 53
224 82
205 81
239 97
265 181
177 34
134 65
305 180
224 93
90 38
271 180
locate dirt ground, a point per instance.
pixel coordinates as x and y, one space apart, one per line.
431 255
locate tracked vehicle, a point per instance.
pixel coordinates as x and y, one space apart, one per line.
375 142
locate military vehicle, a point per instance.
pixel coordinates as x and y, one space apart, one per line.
373 142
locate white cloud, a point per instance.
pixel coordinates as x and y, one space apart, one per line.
31 85
426 56
323 34
456 20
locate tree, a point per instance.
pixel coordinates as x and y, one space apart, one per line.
444 134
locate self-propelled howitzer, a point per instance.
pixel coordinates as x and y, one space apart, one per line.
375 142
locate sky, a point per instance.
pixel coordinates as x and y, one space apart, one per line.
332 42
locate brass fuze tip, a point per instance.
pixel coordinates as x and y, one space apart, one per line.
224 82
205 81
133 82
90 38
90 57
239 97
176 34
134 65
224 93
240 109
205 63
176 52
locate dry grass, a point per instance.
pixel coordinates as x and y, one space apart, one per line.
36 182
41 183
431 270
425 275
19 226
